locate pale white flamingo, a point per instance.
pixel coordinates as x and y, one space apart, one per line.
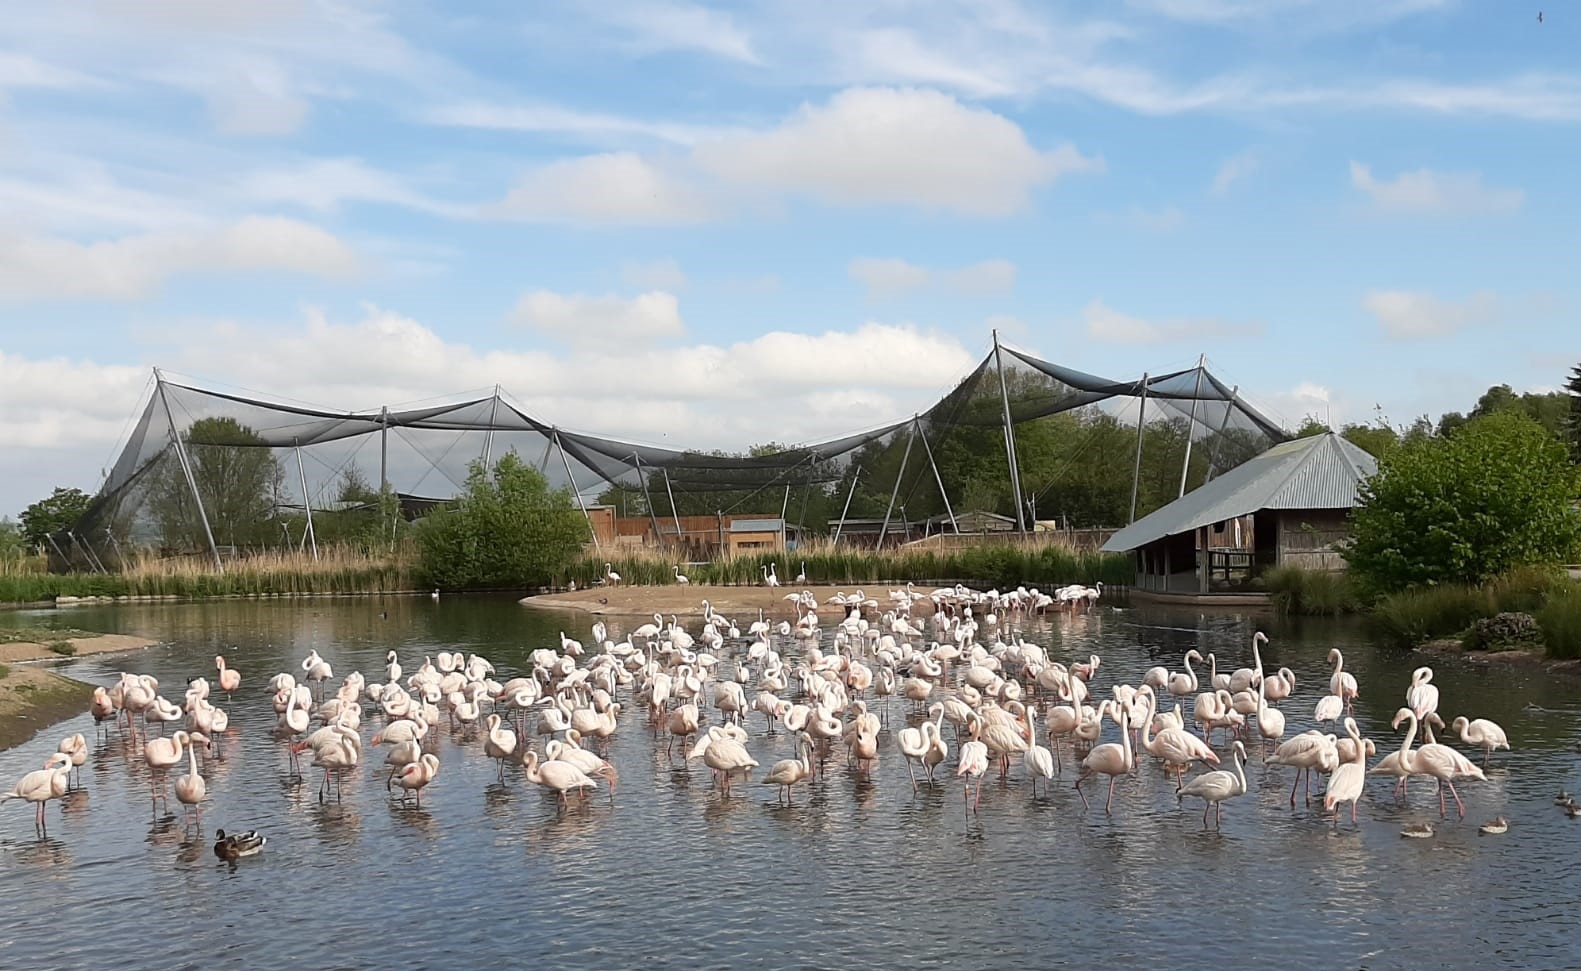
610 576
558 777
680 577
42 785
190 788
1348 780
1270 720
1480 732
1342 682
1439 761
500 744
1305 752
76 747
1177 747
922 745
786 773
1329 708
415 777
1181 685
973 762
1038 761
726 756
1422 696
1108 759
229 678
1213 788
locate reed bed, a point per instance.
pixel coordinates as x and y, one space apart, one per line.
1420 614
338 570
1045 566
1311 592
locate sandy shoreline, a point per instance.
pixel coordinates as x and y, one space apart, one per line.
33 698
81 647
687 601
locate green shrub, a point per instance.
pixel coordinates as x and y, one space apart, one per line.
5 672
1560 620
1422 613
1524 589
1465 508
63 648
1313 592
507 529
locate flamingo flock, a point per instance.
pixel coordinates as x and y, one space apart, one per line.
998 697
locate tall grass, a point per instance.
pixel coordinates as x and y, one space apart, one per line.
826 564
1560 620
1313 592
1410 617
274 573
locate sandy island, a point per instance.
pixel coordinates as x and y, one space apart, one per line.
32 697
687 601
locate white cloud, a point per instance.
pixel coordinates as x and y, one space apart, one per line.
1411 315
891 277
897 54
1234 170
656 275
601 319
1104 323
324 184
255 97
43 268
616 188
23 71
656 27
895 146
1426 191
557 120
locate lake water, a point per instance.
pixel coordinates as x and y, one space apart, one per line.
857 874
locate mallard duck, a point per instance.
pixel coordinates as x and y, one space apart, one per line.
1419 831
1573 810
238 845
1564 798
1494 826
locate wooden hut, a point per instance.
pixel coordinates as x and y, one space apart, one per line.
1288 506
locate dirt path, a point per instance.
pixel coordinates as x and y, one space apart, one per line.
687 601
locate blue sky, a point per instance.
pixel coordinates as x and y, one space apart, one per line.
724 224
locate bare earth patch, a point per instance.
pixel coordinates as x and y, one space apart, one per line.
33 698
687 601
81 645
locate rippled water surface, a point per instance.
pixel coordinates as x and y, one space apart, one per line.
857 874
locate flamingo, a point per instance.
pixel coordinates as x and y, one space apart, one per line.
190 788
1181 685
1270 720
724 754
102 708
1329 708
770 578
1480 732
1342 683
76 747
500 743
229 678
1439 761
1216 786
680 577
924 744
1307 751
416 776
610 577
973 761
42 785
788 772
1422 696
559 777
1037 760
801 577
1110 759
1176 746
1346 783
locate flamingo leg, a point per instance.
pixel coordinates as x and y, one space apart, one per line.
1082 794
1112 780
910 769
1293 786
1458 804
1352 810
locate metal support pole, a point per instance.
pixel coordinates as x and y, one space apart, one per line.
115 544
904 456
1191 424
488 437
785 503
186 469
1010 437
653 514
674 513
555 438
384 449
938 479
58 551
1213 453
87 554
856 473
307 504
1136 470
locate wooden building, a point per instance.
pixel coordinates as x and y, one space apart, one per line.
756 536
1288 506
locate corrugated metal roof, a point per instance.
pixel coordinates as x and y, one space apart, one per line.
1321 472
757 525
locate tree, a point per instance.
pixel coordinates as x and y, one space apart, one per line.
11 544
59 511
239 479
506 529
1573 428
1379 439
1497 494
1312 427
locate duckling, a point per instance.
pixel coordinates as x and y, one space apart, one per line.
238 845
1564 798
1494 826
1419 831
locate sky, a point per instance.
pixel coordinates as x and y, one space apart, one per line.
716 225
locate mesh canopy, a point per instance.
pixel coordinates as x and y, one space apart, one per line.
260 466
